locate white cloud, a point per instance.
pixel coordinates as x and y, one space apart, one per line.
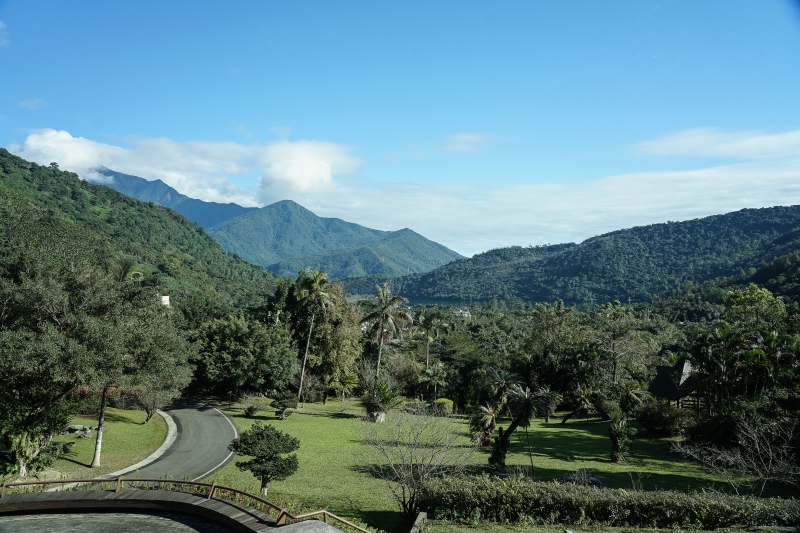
3 34
200 169
466 142
33 105
302 167
469 218
709 142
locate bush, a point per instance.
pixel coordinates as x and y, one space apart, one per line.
662 419
283 403
251 410
442 407
514 499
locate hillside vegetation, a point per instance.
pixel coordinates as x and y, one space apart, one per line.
286 237
636 263
172 253
206 214
399 252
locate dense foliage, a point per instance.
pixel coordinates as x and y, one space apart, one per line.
170 253
284 237
516 499
636 263
397 253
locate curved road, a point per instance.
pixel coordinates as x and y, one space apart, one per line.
201 445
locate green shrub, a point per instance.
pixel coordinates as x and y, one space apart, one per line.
514 499
283 403
663 419
442 407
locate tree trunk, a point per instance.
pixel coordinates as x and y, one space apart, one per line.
98 445
427 353
380 350
527 438
305 356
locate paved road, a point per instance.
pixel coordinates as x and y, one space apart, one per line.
201 446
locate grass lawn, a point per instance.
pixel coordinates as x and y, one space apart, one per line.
489 527
126 441
329 475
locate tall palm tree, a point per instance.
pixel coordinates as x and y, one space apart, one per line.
435 375
433 327
311 292
523 405
385 316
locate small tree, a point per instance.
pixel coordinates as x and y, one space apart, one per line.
410 449
620 433
267 447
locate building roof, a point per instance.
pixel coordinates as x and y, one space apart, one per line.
673 382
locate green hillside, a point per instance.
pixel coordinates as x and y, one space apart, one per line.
286 237
696 302
206 214
173 253
400 252
635 263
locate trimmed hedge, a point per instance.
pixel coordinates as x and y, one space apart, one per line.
515 499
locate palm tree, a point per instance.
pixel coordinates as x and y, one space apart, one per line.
432 327
310 292
385 316
483 423
546 402
435 375
501 382
523 404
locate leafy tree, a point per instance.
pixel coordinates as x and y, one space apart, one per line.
268 448
242 353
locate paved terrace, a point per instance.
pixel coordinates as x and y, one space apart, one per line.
148 509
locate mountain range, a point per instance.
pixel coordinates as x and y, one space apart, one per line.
169 251
636 263
285 237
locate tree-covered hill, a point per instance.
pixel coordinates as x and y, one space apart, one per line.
284 231
397 253
171 252
635 263
697 302
206 214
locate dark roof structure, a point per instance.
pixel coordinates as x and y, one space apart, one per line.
673 382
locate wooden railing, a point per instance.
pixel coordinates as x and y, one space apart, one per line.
284 516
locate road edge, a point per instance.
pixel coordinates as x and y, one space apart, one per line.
169 440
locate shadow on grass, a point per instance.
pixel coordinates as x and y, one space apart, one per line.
337 416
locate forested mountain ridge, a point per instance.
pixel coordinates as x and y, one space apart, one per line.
285 230
171 252
399 252
636 263
206 214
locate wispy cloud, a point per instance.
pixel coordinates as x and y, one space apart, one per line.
709 142
466 142
469 218
33 105
4 40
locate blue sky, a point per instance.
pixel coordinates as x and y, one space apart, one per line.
477 124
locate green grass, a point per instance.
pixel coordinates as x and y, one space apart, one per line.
330 475
126 441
